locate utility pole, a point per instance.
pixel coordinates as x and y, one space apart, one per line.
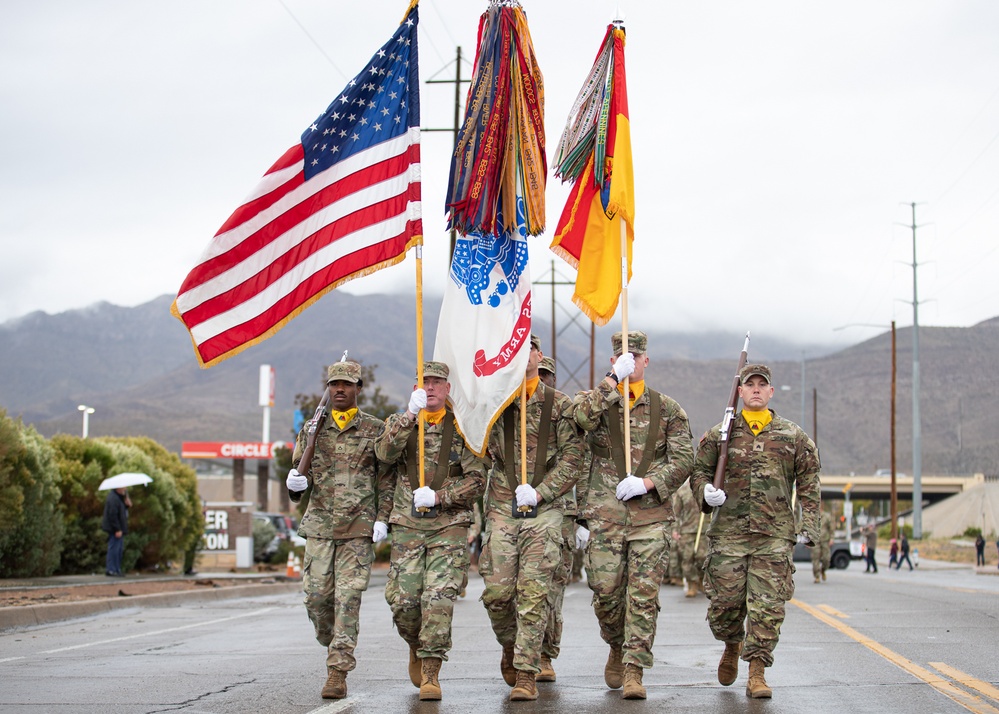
894 483
457 82
917 446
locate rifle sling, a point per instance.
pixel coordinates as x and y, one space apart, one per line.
443 462
617 438
540 454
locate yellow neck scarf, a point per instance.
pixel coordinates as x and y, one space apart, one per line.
532 386
757 420
342 419
637 390
434 417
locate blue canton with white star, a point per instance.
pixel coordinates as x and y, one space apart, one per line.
374 106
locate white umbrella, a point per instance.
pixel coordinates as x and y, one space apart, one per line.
123 481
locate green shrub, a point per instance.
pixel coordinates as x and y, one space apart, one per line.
31 523
972 532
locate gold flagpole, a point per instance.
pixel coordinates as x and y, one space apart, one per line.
523 431
624 342
419 350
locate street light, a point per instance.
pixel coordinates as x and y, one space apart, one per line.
87 411
894 489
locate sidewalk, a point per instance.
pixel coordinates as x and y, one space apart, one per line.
36 613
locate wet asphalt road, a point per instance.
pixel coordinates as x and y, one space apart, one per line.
917 642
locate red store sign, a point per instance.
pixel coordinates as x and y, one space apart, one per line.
226 450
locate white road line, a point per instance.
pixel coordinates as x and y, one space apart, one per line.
147 634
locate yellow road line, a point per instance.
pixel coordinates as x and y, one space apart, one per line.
967 680
829 609
946 687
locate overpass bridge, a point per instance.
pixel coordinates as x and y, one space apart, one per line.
935 488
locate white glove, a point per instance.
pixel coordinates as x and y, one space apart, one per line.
417 401
424 497
714 497
381 530
526 495
630 486
582 537
296 481
624 366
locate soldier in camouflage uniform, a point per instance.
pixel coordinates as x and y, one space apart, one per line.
520 555
750 569
556 595
629 515
350 487
429 554
688 518
823 548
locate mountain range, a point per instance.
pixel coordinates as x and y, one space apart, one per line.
136 367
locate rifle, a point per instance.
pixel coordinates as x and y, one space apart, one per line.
312 428
733 401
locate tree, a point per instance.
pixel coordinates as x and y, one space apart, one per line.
31 524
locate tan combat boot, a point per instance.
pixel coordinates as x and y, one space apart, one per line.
728 666
691 589
336 685
415 673
547 673
506 666
525 690
614 670
430 688
757 687
633 688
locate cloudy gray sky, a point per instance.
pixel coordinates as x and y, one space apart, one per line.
777 147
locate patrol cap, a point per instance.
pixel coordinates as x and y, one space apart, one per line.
435 369
547 364
535 342
638 342
344 372
750 369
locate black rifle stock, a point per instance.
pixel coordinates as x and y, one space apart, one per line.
726 425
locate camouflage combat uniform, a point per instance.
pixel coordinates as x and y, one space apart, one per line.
429 555
628 551
521 555
749 571
349 488
563 573
820 553
688 518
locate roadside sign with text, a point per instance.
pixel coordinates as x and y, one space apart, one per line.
226 450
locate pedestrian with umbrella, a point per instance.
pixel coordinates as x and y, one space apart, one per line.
115 519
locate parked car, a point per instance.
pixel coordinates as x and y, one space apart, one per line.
285 526
840 555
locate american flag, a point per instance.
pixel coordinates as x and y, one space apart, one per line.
342 203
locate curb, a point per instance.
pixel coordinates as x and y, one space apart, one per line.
19 616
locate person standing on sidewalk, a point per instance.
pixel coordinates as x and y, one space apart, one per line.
629 514
979 550
429 561
749 574
115 524
351 490
519 554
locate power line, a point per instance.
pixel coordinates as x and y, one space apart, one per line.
313 39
